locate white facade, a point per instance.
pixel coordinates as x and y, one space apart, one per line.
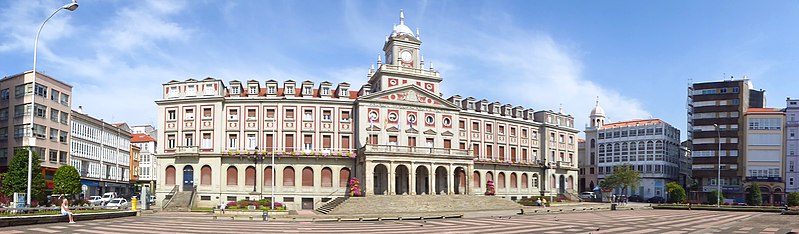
101 153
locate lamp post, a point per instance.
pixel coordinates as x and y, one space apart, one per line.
256 157
272 150
71 7
718 175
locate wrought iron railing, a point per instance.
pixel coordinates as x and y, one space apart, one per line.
170 196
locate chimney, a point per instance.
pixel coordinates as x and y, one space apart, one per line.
80 109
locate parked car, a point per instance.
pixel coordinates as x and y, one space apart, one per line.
95 200
118 203
635 198
656 199
587 195
107 197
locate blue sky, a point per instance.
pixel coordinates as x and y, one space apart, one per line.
638 56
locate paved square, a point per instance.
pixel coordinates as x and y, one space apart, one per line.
639 221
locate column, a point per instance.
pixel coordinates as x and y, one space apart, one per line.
369 179
412 179
432 178
450 179
391 180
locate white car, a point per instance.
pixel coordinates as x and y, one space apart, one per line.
588 195
117 203
95 200
107 197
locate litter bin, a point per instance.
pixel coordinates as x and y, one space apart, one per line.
613 206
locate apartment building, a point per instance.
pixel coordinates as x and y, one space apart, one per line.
101 153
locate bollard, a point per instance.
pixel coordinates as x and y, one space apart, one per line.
250 217
133 202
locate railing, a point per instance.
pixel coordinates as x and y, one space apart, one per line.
564 164
170 196
389 67
417 150
187 150
191 199
328 196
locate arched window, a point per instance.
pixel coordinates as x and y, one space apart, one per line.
307 177
268 176
552 182
170 175
525 184
288 176
205 175
344 177
327 177
569 182
249 176
232 176
501 180
476 179
513 181
593 143
490 177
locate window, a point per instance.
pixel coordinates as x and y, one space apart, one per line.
253 90
170 141
270 113
289 142
488 128
64 118
64 99
475 126
209 89
62 137
235 90
447 144
23 89
326 142
289 114
289 89
307 115
53 114
191 90
411 141
233 141
251 114
189 114
207 113
326 115
39 131
4 94
53 135
430 142
22 110
765 124
501 129
188 139
40 111
345 142
171 115
343 92
345 116
41 90
207 143
233 114
326 91
54 94
252 141
53 156
307 90
392 140
271 90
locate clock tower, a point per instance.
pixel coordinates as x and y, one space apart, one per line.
404 62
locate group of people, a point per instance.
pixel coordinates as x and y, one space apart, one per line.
541 202
620 200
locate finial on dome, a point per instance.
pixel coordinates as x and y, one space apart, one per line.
379 61
560 108
421 62
431 65
402 17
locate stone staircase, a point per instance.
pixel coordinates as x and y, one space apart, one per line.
181 201
332 204
388 204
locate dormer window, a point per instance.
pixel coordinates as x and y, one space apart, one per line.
326 91
483 107
234 90
307 91
191 90
209 89
470 106
271 90
173 91
253 90
289 89
343 93
496 110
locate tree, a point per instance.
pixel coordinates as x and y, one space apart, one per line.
16 178
623 176
66 181
711 198
754 198
676 192
793 199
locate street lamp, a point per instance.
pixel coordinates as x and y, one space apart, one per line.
71 7
718 176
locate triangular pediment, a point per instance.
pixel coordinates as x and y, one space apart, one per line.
373 128
430 132
412 130
392 129
410 94
447 133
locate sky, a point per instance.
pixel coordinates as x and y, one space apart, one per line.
638 57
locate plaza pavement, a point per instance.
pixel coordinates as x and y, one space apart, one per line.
627 221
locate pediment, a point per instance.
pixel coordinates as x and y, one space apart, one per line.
430 132
392 129
447 133
411 94
373 128
412 130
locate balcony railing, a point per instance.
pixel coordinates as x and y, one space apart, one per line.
564 164
187 150
416 150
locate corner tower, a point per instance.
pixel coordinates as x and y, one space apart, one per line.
404 62
597 116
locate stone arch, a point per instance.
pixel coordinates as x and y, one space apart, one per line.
288 177
401 180
307 177
513 181
344 177
422 180
232 176
268 176
441 180
327 177
170 175
500 180
525 181
205 175
380 180
569 183
249 176
476 180
459 180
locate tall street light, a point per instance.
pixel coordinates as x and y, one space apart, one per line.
718 176
70 7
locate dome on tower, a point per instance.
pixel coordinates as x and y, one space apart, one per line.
402 28
598 111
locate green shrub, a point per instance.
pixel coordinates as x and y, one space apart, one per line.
754 198
676 192
793 199
711 198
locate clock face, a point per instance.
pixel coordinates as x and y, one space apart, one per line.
406 56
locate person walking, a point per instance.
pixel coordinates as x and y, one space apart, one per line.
538 202
65 209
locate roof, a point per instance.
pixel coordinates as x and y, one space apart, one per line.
632 123
140 137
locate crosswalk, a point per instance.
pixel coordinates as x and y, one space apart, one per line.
642 221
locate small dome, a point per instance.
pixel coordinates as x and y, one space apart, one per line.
402 29
598 111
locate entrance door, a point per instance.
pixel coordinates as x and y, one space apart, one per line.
307 203
188 178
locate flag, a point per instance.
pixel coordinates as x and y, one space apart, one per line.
371 123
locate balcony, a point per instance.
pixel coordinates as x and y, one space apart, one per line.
187 151
565 165
418 151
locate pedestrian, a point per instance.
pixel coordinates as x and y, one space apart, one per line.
538 202
613 198
65 209
544 202
222 206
